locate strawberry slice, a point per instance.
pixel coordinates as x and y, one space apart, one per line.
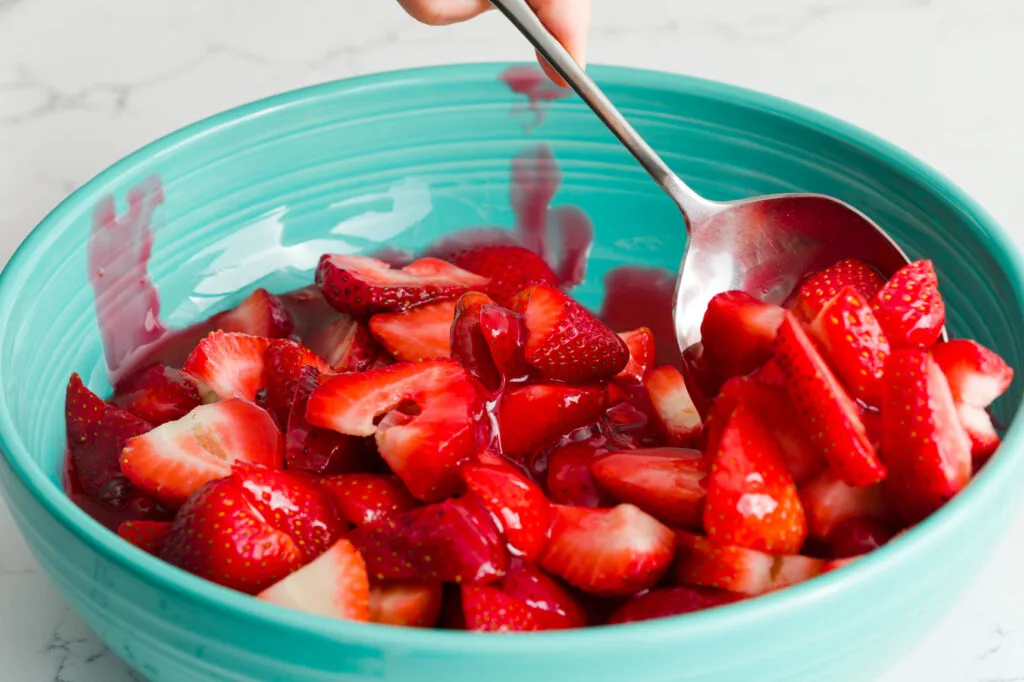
640 343
261 314
505 335
333 585
149 536
924 445
450 541
362 499
670 601
564 341
752 500
676 417
157 394
362 286
420 333
702 562
828 502
515 501
219 535
489 609
228 365
826 412
670 484
177 458
981 432
854 344
858 536
96 434
770 374
909 307
509 268
537 415
976 375
569 478
823 286
468 342
410 604
282 374
737 333
429 416
558 608
345 344
608 552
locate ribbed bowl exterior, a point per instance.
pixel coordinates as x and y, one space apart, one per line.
253 196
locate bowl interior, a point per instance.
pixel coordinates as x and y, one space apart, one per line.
254 196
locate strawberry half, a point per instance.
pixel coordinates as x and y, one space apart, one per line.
420 333
924 445
828 502
157 394
537 415
982 433
362 499
333 585
490 609
228 365
564 341
149 536
283 361
510 269
345 344
505 335
702 562
410 604
515 501
640 343
545 594
569 478
177 458
826 412
429 415
976 375
670 601
676 417
737 333
751 499
910 308
854 344
261 314
823 286
608 552
468 342
670 484
450 541
362 286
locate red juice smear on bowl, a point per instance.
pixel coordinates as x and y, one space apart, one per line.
537 87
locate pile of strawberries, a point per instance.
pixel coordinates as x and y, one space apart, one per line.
465 446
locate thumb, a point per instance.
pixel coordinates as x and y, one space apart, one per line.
569 22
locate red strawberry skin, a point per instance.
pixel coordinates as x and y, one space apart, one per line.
544 593
670 484
670 601
149 536
923 442
283 361
419 333
564 341
516 502
157 394
909 307
569 478
345 344
509 268
752 500
363 499
737 333
858 536
490 609
822 287
469 343
537 415
261 314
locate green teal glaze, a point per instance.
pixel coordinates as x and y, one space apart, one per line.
402 158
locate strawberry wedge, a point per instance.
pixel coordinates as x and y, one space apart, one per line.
670 484
228 365
420 333
539 414
510 269
334 585
910 308
822 287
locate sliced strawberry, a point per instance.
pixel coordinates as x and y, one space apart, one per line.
149 536
282 374
569 478
608 552
515 501
96 434
261 314
670 601
220 536
980 430
835 564
543 593
363 499
362 286
770 374
489 609
566 342
157 394
854 537
752 500
737 333
705 563
670 484
823 286
854 344
505 334
177 458
640 343
826 412
924 445
410 604
450 541
430 416
676 416
537 415
509 268
469 343
976 375
828 502
333 585
228 365
910 308
420 333
346 345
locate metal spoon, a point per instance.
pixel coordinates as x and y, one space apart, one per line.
763 245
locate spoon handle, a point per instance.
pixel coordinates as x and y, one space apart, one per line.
525 19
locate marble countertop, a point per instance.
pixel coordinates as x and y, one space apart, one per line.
84 83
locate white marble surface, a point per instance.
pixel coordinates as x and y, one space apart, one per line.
84 82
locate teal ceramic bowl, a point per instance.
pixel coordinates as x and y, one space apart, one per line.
256 194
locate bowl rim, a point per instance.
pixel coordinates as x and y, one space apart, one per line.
169 579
